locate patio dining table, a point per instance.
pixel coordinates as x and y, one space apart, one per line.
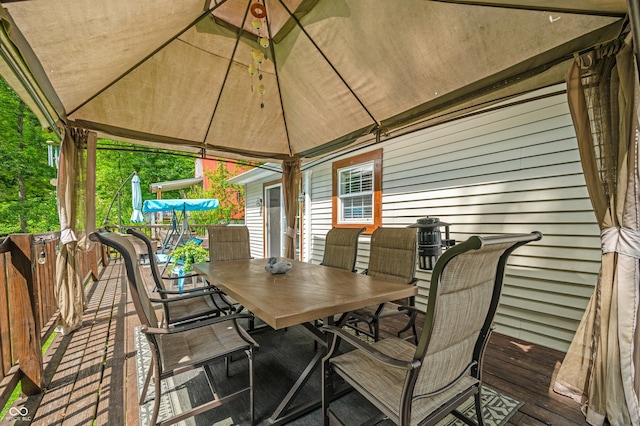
307 292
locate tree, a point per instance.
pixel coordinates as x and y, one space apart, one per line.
27 197
115 165
229 196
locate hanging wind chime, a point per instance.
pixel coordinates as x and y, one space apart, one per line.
259 12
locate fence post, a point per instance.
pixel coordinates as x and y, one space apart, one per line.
28 348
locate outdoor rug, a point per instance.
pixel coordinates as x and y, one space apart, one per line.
282 356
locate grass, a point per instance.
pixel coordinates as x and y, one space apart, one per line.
18 390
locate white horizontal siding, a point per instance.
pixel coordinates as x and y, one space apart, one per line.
253 218
510 170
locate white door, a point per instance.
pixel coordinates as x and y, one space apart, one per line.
274 220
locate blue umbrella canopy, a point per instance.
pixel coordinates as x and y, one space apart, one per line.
136 200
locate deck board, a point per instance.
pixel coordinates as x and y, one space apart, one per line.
115 369
84 375
84 397
79 390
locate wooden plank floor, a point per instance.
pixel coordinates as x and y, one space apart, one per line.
90 374
85 372
526 372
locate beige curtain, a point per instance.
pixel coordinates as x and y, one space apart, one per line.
290 190
600 367
76 206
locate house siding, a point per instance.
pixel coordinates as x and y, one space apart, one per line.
508 170
254 218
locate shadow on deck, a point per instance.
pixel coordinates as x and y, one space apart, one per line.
90 375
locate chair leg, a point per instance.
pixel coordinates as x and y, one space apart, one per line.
411 324
143 396
478 404
375 325
327 391
251 380
156 398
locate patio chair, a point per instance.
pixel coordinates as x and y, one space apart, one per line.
182 308
423 383
230 243
179 348
392 257
341 248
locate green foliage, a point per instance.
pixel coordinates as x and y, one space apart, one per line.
229 196
27 198
24 165
115 166
189 253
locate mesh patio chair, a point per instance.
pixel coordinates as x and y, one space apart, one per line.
392 257
341 248
230 243
179 348
209 303
421 384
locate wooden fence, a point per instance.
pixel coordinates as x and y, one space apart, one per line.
28 309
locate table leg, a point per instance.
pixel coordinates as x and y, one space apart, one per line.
284 414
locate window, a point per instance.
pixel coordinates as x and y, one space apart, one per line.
357 185
355 193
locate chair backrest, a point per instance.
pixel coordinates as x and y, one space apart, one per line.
229 242
341 248
144 307
152 258
393 254
463 297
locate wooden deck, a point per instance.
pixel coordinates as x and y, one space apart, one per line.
90 374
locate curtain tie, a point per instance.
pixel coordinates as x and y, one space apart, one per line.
67 236
621 240
291 232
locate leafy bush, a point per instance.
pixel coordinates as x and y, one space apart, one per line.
188 254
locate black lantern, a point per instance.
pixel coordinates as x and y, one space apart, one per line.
430 242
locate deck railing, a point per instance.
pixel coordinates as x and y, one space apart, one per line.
28 309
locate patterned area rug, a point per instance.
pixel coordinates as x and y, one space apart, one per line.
497 409
178 393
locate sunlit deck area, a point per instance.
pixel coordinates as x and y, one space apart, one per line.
90 375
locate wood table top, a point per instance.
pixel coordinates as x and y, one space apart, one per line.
305 293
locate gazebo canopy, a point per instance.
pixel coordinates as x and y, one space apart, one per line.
175 74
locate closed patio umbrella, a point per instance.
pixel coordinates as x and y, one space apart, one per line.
136 200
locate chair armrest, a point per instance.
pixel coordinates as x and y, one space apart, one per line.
368 349
411 309
182 297
165 277
193 325
208 289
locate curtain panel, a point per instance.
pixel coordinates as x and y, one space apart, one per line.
600 367
290 189
76 212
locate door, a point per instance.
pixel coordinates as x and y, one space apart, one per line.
274 221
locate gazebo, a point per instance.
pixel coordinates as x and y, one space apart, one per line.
293 80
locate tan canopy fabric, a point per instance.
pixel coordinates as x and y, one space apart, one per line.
600 369
176 74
